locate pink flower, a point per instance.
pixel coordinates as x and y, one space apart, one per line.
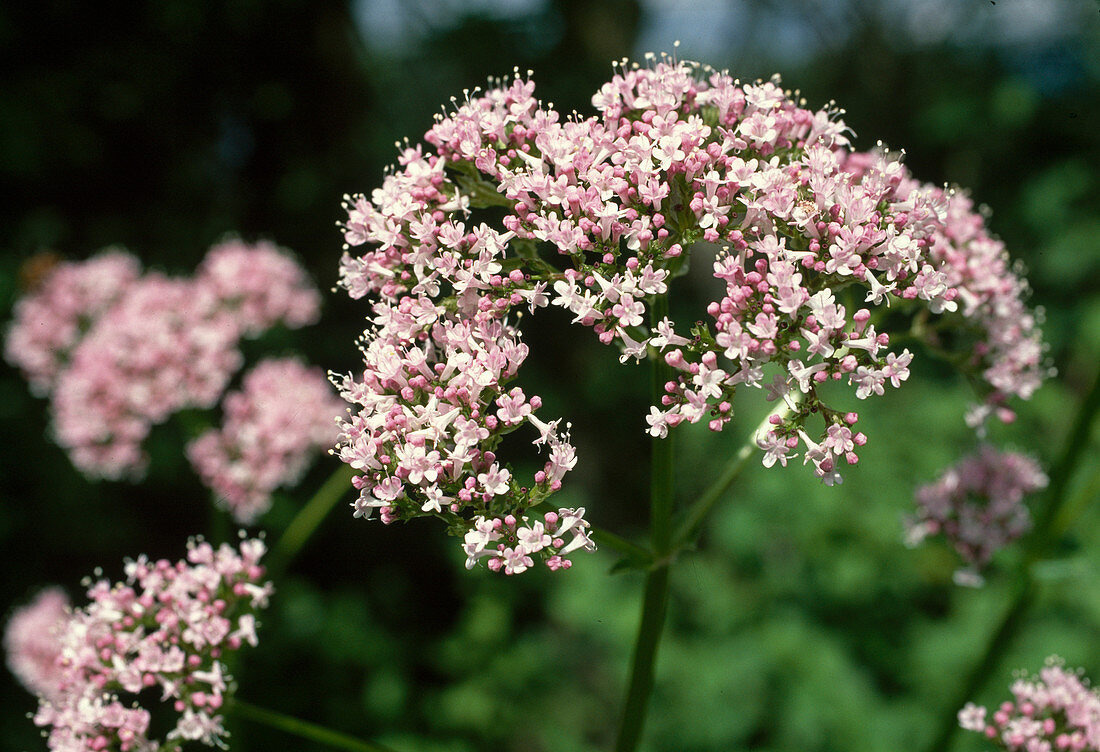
495 480
166 626
119 353
32 641
978 506
1056 710
51 320
158 350
587 226
281 419
508 544
260 285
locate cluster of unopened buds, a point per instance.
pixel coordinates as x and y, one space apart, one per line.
1055 711
118 351
162 636
600 214
978 506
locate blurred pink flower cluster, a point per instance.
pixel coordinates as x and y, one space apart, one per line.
259 285
283 415
32 641
978 506
1055 711
119 352
52 320
599 215
167 628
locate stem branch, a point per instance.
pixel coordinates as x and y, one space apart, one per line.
700 508
639 556
309 518
300 728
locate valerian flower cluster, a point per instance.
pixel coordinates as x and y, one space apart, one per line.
1054 711
118 351
280 419
162 637
32 641
814 247
978 506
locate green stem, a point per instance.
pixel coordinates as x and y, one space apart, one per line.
640 557
999 642
700 508
1076 444
309 518
1055 518
220 527
654 608
300 728
1075 507
655 599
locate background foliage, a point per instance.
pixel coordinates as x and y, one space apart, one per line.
801 623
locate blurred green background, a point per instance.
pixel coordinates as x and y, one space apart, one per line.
802 623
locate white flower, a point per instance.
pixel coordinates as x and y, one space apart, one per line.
658 423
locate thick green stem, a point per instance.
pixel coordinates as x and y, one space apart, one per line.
309 518
655 600
1055 518
300 728
654 608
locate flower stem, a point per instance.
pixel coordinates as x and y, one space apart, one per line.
638 557
1076 444
300 728
700 508
655 599
1076 505
1055 518
309 518
220 527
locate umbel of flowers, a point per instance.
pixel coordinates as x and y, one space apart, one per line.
977 505
1054 711
118 352
282 416
165 632
816 248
